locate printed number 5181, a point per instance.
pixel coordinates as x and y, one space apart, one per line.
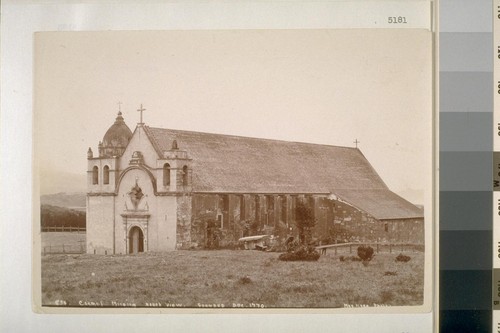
396 19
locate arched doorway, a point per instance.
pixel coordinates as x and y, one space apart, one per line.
136 240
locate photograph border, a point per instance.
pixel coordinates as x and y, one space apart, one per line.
357 308
73 24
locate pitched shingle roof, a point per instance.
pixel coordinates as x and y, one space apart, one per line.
381 204
234 164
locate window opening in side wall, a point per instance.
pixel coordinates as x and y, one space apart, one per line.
95 175
166 174
185 175
105 175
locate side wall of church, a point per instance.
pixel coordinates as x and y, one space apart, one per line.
100 216
405 230
219 220
344 223
184 218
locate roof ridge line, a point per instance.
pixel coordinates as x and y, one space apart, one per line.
153 140
255 138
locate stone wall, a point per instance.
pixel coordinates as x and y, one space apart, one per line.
345 223
219 220
184 218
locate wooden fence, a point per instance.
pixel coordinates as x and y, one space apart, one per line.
67 249
64 229
344 248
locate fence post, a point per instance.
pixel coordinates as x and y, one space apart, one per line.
335 250
390 248
63 249
350 248
377 248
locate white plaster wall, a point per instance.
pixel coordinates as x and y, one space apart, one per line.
167 223
174 166
139 142
161 231
100 216
159 175
101 187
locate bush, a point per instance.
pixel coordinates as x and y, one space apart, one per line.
305 221
365 253
244 280
292 244
277 248
301 253
349 258
402 258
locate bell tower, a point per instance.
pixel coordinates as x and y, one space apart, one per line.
103 172
176 169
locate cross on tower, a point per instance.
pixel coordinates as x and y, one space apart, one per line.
141 110
119 106
356 142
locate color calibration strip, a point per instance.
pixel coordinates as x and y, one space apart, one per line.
466 143
496 166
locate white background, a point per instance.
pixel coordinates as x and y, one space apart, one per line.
19 21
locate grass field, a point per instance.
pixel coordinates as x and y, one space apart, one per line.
54 241
60 238
231 278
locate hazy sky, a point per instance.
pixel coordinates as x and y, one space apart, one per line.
317 86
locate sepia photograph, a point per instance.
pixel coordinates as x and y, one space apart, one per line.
233 169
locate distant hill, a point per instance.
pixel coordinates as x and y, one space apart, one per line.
68 200
52 216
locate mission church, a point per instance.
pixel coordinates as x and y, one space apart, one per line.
158 189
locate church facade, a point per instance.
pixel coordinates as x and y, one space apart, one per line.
157 189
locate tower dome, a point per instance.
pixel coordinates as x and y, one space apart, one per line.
116 138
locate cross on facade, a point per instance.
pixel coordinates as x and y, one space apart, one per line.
356 142
141 110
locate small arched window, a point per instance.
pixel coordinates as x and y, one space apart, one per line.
95 175
166 174
185 175
105 175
